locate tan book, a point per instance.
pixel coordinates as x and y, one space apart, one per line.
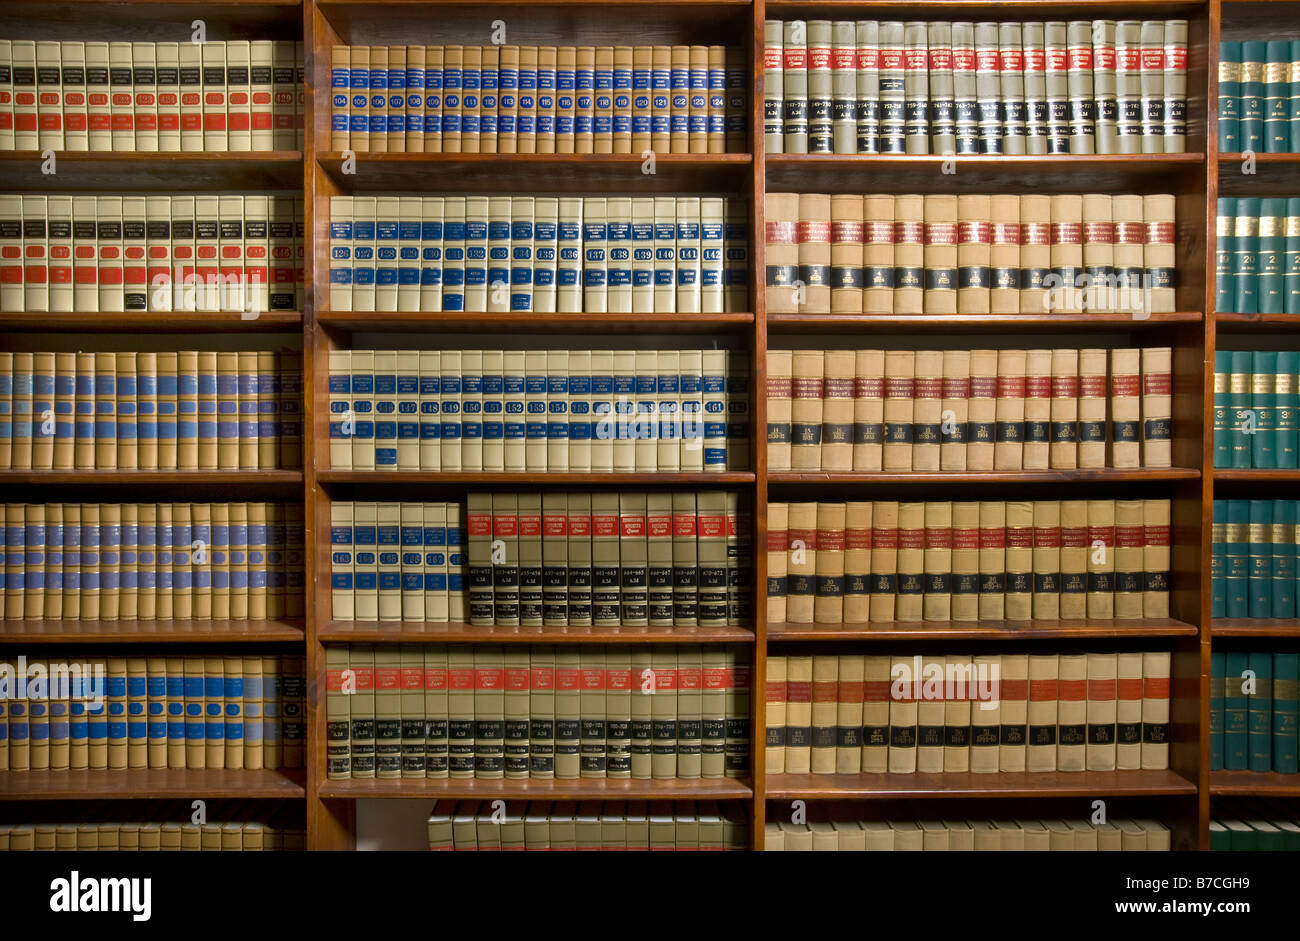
1130 540
930 716
824 713
902 716
927 410
1125 408
1067 253
1159 253
1008 449
1004 254
1157 407
938 561
974 248
1101 559
828 606
1063 448
1092 408
1038 410
1047 559
798 714
992 593
911 562
1128 711
1035 252
778 547
941 254
868 410
857 561
965 571
1101 711
899 405
847 235
875 713
1075 550
802 563
884 560
1099 252
837 406
956 713
985 719
1155 554
814 241
982 410
806 410
775 698
909 254
1019 560
1155 710
1127 211
954 410
878 254
1041 715
850 690
781 211
1013 696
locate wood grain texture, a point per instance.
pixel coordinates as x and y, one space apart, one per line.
580 789
1254 784
882 786
151 784
151 632
407 632
982 630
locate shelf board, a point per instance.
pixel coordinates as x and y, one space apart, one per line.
534 322
406 632
857 173
1254 784
528 789
138 171
151 321
138 477
151 784
554 172
983 630
149 632
880 786
1271 173
1258 474
532 478
811 8
1242 322
1255 627
972 323
1095 475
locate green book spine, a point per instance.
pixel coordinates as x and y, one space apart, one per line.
1240 421
1245 257
1286 712
1229 96
1295 98
1260 559
1254 53
1225 282
1263 367
1222 425
1282 570
1219 560
1286 419
1245 839
1291 259
1237 559
1259 705
1234 713
1220 838
1277 97
1216 711
1272 254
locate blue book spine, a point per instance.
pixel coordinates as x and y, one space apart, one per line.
78 720
668 388
194 723
252 704
1229 97
471 407
430 419
249 425
258 543
433 100
521 265
450 401
385 405
453 268
105 405
340 79
408 256
214 686
1260 559
489 100
175 686
527 119
43 418
397 101
6 408
1216 710
137 704
408 411
498 262
378 123
156 708
624 399
22 402
435 558
431 258
359 86
697 121
535 401
514 418
660 100
233 694
584 100
53 555
641 107
1259 706
622 116
455 558
1235 721
414 100
363 253
717 118
1282 569
116 699
1286 717
1286 403
547 85
386 263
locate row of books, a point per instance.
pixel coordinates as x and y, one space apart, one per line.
1253 559
868 87
539 99
537 712
558 410
605 559
987 713
1259 96
93 254
1255 407
571 254
852 563
130 827
1257 258
835 835
146 561
217 711
214 96
588 826
968 410
1252 826
971 254
186 410
1254 711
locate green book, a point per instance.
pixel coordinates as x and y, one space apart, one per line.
1229 96
1291 258
1216 711
1263 368
1295 99
1220 839
1234 712
1225 282
1236 567
1277 97
1259 719
1254 54
1270 260
1286 417
1286 712
1282 569
1260 559
1222 425
1245 258
1242 838
1268 838
1218 560
1240 422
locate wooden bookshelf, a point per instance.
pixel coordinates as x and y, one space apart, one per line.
1037 629
1255 627
171 631
152 784
1022 784
528 789
1254 784
152 322
406 632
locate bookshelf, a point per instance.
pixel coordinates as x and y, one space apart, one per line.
1180 796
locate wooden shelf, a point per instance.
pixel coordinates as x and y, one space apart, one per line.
1254 784
561 173
1255 627
1001 784
138 171
527 789
1258 474
1234 323
1097 475
137 477
1275 174
1036 629
535 323
152 322
1007 8
149 632
407 632
151 784
534 478
972 323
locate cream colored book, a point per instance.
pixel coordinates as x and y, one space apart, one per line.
1008 449
1101 711
471 410
927 410
1063 449
902 716
802 563
431 251
1155 710
1092 409
993 567
868 410
965 577
780 387
985 754
982 407
430 371
931 716
450 441
957 692
857 562
643 426
828 603
1128 711
571 261
689 294
846 254
435 589
953 413
899 405
941 254
545 254
798 714
1019 557
365 562
884 560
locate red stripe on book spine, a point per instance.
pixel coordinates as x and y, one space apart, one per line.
1155 687
857 539
1101 690
1042 690
490 678
1014 689
412 677
780 233
1129 688
813 230
435 678
516 679
868 387
592 679
798 691
541 677
530 525
1072 690
776 691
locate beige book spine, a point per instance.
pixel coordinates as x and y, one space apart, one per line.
930 716
806 410
985 717
927 410
1157 406
846 254
814 241
902 716
1159 253
1063 449
941 254
775 695
1075 550
938 561
1101 559
857 562
1013 712
1127 212
1155 710
974 253
780 387
992 595
868 410
824 713
899 406
781 211
875 713
956 713
982 410
1092 408
1128 711
909 254
911 562
453 60
848 715
965 561
1101 707
828 605
884 560
1019 560
878 254
1035 252
1041 715
1038 410
802 563
1129 548
778 547
1125 407
1099 251
954 410
1047 559
1008 449
1067 252
1155 562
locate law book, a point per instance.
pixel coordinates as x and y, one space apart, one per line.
1101 712
1092 429
1041 713
1152 84
988 89
1106 108
1158 253
1128 87
1128 711
1072 711
1009 435
1019 560
1035 252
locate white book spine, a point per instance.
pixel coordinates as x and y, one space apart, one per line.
471 410
340 409
449 410
386 243
190 85
713 386
522 231
430 410
545 254
557 410
58 230
476 248
580 410
216 135
569 270
342 596
594 261
238 96
11 252
688 254
431 232
711 255
668 411
36 279
408 410
624 411
603 419
435 562
7 95
365 578
515 417
618 276
412 535
108 228
261 104
665 249
388 561
535 410
363 409
144 71
643 255
49 96
645 425
408 253
493 411
498 267
26 126
692 410
363 253
453 254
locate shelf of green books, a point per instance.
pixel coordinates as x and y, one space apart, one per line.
576 789
1092 475
882 786
1263 475
183 631
1046 322
576 173
152 784
535 322
406 632
151 171
151 322
222 478
1254 784
984 629
534 478
1255 627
